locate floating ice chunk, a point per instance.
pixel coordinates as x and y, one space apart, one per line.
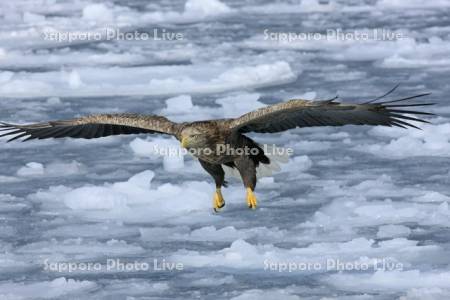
31 169
57 288
234 78
239 104
411 4
107 230
432 293
211 234
256 76
74 79
53 101
133 200
266 295
133 288
230 106
308 96
400 53
173 163
26 84
205 8
394 281
142 147
33 18
98 13
9 203
179 104
306 146
5 75
432 140
443 208
142 180
432 196
344 76
97 198
194 10
176 108
412 54
214 281
305 6
147 80
53 169
392 231
242 254
409 60
158 234
79 248
300 163
266 180
335 162
349 207
157 147
12 264
64 168
57 58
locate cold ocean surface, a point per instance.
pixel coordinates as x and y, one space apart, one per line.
370 197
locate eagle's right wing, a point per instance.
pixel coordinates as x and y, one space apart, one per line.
94 126
303 113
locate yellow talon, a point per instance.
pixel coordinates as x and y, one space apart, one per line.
251 199
218 201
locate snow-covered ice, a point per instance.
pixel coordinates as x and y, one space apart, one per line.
375 199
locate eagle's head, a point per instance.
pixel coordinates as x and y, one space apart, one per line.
193 137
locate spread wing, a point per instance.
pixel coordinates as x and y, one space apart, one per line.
89 127
304 113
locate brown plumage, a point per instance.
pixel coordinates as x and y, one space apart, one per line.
207 135
92 127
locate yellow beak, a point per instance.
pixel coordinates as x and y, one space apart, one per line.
184 142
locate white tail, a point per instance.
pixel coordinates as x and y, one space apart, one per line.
277 156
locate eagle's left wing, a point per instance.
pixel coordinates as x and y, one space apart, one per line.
304 113
94 126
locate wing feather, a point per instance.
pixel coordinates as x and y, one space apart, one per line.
91 127
303 113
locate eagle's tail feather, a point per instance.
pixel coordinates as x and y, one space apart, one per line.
274 157
277 156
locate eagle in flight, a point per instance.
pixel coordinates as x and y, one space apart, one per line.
205 136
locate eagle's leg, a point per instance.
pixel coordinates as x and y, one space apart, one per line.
217 172
247 168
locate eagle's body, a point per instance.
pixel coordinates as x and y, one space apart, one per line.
215 142
222 142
